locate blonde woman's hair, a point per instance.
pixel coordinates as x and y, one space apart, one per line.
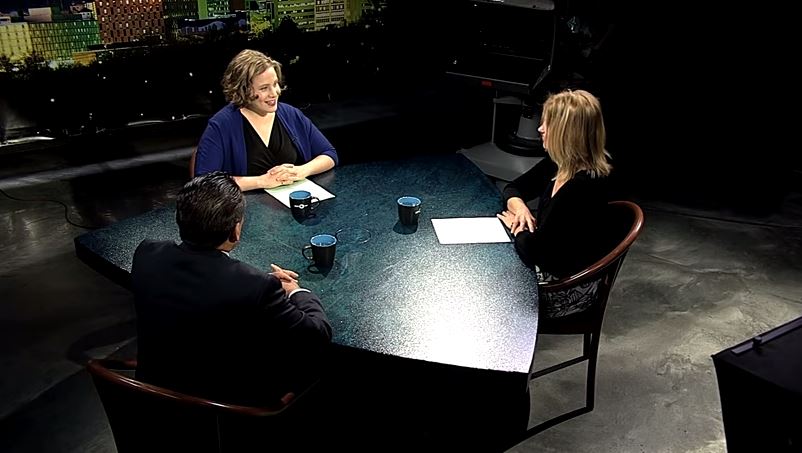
238 78
575 134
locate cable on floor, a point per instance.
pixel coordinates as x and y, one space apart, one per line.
43 200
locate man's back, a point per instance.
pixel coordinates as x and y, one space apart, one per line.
212 326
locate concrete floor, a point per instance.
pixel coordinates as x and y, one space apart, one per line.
698 280
690 287
703 276
695 282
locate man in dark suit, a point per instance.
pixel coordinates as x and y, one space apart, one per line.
212 326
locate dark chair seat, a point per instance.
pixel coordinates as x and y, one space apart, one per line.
568 325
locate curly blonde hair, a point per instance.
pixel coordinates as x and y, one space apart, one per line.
238 78
576 135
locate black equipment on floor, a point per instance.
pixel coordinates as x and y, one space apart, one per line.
760 385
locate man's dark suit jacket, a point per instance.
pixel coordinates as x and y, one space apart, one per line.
212 326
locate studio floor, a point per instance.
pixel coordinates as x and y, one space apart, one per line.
698 280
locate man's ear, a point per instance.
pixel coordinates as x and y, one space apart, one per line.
236 233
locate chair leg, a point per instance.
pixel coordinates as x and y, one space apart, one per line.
219 435
590 390
587 339
590 352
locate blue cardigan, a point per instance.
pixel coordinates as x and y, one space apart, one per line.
222 145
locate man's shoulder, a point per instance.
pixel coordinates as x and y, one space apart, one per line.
149 256
151 245
244 282
150 251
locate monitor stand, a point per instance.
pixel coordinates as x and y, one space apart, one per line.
497 163
494 161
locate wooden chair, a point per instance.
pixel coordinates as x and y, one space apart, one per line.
148 418
626 220
192 159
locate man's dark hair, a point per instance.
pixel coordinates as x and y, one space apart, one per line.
208 208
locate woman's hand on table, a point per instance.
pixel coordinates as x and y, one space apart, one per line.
270 180
288 173
518 217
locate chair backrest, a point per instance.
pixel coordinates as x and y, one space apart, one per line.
625 220
192 159
146 417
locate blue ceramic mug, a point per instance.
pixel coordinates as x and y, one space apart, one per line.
303 204
409 210
322 248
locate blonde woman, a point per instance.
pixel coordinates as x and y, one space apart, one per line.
567 234
260 141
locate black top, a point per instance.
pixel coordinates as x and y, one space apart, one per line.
280 150
212 326
570 231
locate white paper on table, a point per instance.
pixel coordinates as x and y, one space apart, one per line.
473 230
282 193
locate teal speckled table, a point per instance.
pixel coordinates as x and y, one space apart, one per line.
401 293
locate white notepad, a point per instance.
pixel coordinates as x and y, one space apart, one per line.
472 230
282 193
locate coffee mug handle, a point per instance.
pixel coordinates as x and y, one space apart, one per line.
313 202
303 252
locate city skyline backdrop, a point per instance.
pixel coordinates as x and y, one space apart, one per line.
74 31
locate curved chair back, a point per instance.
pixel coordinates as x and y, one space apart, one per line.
625 220
192 160
145 417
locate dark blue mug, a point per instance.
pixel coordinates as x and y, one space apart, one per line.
409 210
303 204
322 247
